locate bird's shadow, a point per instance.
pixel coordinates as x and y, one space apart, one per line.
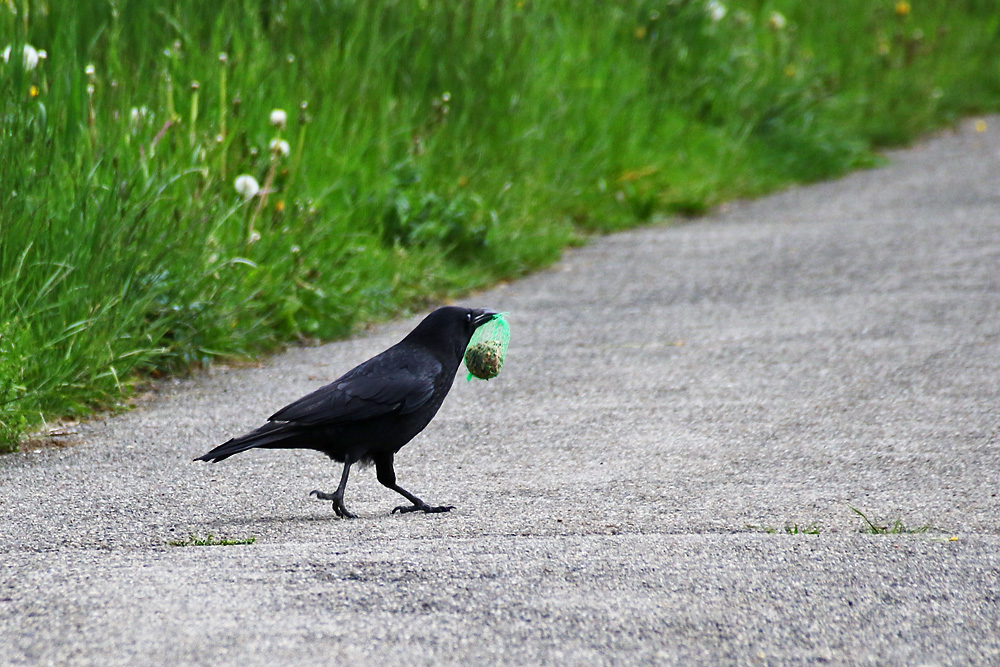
292 519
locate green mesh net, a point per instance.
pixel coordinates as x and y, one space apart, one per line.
485 353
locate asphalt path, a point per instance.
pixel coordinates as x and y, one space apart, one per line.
664 473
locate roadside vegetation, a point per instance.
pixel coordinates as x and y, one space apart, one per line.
211 541
182 181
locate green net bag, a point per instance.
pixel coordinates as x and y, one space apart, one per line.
485 353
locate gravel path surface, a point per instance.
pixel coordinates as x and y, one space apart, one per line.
681 408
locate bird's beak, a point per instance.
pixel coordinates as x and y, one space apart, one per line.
481 317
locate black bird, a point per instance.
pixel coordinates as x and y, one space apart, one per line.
368 413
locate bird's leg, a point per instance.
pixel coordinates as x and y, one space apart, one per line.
338 496
387 477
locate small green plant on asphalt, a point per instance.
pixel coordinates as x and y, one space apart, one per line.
790 529
876 527
796 529
210 541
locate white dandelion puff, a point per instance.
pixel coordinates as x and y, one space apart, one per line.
246 186
716 10
279 118
30 58
280 147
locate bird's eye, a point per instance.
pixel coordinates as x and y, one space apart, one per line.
468 317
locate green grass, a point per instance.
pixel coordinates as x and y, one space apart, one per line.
210 541
788 529
434 147
875 526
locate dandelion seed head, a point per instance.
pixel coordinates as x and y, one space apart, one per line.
716 10
254 237
777 21
90 70
280 147
137 115
279 118
30 58
246 186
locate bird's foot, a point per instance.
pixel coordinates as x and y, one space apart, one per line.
423 507
338 504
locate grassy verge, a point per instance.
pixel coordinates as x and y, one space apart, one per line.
427 148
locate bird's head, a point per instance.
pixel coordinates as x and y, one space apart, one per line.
450 328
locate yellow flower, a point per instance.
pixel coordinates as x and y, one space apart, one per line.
33 91
980 125
640 32
902 8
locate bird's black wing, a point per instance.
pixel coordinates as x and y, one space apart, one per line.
398 380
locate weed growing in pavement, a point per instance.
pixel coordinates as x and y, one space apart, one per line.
876 527
210 541
789 529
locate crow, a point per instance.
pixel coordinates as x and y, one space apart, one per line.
368 413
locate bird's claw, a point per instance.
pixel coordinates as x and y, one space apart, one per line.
427 509
338 504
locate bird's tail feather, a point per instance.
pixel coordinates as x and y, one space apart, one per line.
270 435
